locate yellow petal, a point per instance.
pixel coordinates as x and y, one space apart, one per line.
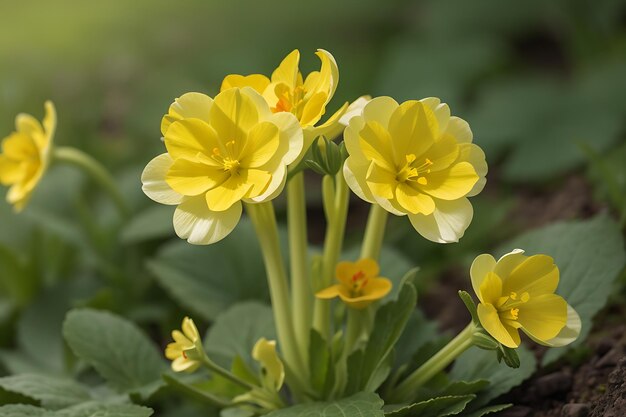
189 137
328 293
259 180
376 144
231 191
154 184
190 330
19 146
233 114
509 262
10 171
27 125
413 127
414 201
481 267
468 152
287 71
264 352
381 182
447 223
568 334
50 121
451 184
261 145
277 181
187 106
490 289
344 271
443 153
369 267
313 109
459 129
440 110
190 177
536 275
181 339
490 320
291 137
184 365
355 174
380 110
375 290
200 226
544 316
258 82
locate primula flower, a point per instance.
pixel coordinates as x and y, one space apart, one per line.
517 293
25 155
186 352
359 284
288 91
220 152
273 370
415 159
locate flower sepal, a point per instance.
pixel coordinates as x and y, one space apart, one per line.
509 356
482 340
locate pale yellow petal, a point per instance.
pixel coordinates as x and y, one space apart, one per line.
414 128
183 365
509 262
49 122
381 182
19 146
447 223
275 186
259 180
190 330
355 174
258 82
451 184
490 289
314 109
568 334
261 145
291 137
10 171
490 320
154 184
443 153
187 106
264 351
232 115
231 191
200 226
191 177
482 265
440 110
471 153
376 144
287 71
380 110
189 137
544 316
536 275
414 201
459 129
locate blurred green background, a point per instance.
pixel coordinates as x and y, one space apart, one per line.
542 84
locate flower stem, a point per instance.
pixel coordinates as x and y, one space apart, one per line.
354 329
212 366
336 204
433 366
95 169
264 220
374 232
300 279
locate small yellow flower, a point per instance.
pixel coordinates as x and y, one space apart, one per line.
415 159
220 152
186 352
517 293
306 98
25 155
272 368
359 284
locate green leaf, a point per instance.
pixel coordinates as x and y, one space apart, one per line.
116 348
209 279
194 392
361 405
235 332
417 332
53 393
21 410
475 364
319 363
590 254
388 326
155 222
435 407
94 409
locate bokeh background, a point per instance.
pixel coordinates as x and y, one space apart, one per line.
542 84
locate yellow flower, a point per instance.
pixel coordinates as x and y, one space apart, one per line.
359 284
273 370
220 152
306 98
25 155
415 159
517 293
186 352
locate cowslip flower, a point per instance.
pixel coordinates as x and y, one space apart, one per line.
415 159
25 155
288 91
272 368
359 284
517 293
186 352
220 152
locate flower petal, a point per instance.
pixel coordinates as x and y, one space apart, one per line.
200 226
49 122
380 181
355 174
508 262
189 137
10 171
187 106
287 71
441 111
468 152
414 201
228 193
568 334
313 109
536 275
482 265
543 317
233 114
380 110
490 320
451 184
328 293
369 267
447 223
414 128
154 184
490 289
376 144
258 82
261 145
460 130
291 136
192 177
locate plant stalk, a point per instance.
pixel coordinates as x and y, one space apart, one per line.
374 232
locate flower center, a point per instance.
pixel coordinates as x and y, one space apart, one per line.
291 101
508 306
359 281
228 163
414 172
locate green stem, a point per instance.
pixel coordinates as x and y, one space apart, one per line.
212 366
96 170
374 232
337 213
298 248
354 329
264 220
433 366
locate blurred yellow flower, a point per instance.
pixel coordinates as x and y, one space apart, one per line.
220 152
359 284
306 98
415 159
273 370
25 155
517 293
186 352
